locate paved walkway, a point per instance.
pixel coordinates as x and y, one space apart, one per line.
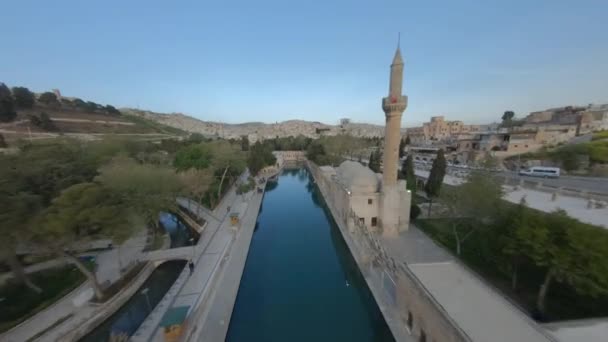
75 303
194 289
479 309
213 322
574 206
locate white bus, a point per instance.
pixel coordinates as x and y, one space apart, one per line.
541 171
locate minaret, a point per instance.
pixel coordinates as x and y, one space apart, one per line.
393 105
394 199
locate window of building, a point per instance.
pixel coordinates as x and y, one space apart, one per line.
374 221
370 201
362 220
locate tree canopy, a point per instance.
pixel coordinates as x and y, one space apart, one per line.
24 98
375 158
48 98
260 155
7 106
407 171
192 157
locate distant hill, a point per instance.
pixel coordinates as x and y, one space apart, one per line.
48 114
311 129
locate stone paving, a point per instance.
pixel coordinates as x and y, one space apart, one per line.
214 244
575 207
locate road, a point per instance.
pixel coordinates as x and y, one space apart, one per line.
590 184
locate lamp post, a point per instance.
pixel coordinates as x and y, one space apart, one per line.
192 244
145 293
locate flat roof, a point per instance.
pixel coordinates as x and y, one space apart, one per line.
588 330
477 309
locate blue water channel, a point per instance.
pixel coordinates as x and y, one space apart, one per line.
132 314
300 281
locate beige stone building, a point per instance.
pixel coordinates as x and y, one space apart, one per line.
380 201
438 129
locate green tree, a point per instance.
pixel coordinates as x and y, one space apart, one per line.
15 216
48 98
228 160
508 116
3 143
83 212
401 148
572 253
112 110
260 155
477 201
435 180
374 161
520 231
148 189
43 121
244 143
24 98
192 157
7 106
408 142
407 170
316 153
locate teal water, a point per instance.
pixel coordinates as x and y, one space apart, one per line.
300 282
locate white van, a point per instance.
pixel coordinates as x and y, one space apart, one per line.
541 171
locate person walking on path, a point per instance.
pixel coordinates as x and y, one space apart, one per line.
191 267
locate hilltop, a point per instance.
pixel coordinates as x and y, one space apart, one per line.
24 114
257 130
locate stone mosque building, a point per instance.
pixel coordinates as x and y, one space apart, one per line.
380 201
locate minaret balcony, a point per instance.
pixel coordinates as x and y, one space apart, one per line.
394 104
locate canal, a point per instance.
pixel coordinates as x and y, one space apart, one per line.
300 281
131 315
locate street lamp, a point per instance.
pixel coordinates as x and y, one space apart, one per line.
145 293
192 244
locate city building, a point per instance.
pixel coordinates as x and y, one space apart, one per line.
438 129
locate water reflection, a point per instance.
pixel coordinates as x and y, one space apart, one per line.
130 316
300 282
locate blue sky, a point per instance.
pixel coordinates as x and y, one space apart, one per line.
237 61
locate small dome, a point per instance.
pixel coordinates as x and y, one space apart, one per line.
356 177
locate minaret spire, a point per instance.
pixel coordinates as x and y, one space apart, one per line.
398 40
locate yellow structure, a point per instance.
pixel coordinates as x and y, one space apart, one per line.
234 219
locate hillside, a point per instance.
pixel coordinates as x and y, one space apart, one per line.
24 114
311 129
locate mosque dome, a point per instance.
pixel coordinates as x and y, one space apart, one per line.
356 177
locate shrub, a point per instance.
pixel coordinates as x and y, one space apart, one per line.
24 98
414 211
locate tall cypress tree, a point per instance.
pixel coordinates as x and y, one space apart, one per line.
433 184
374 161
401 148
407 170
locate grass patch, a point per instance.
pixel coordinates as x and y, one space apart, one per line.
153 125
600 135
19 303
563 303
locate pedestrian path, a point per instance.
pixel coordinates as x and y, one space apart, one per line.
577 208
